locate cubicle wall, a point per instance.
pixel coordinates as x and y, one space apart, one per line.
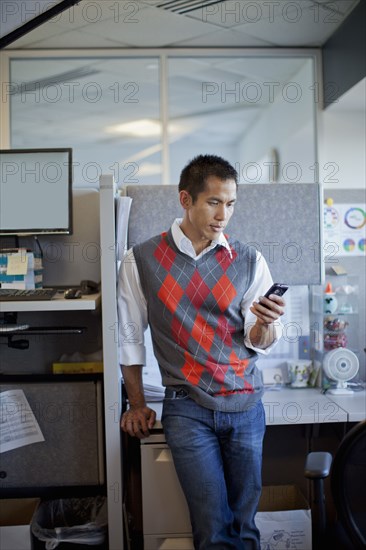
280 220
68 259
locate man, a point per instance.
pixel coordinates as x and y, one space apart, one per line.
202 296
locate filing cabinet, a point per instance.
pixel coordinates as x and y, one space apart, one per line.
166 523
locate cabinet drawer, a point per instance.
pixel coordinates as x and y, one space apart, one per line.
168 542
164 506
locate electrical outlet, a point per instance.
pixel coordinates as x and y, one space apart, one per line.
273 375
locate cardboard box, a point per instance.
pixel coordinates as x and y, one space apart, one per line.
15 522
284 518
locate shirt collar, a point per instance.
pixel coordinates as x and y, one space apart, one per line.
185 245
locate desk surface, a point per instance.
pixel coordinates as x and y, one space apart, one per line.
303 406
354 404
57 303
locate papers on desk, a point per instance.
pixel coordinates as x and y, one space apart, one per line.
151 377
123 205
154 390
18 425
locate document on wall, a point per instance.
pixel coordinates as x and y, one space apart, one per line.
18 425
296 324
344 230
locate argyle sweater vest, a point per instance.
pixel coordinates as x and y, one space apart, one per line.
196 323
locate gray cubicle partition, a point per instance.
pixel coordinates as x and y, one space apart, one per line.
68 259
283 221
69 415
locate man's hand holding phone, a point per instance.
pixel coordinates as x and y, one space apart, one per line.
277 289
267 310
270 306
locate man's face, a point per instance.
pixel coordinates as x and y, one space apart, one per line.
205 219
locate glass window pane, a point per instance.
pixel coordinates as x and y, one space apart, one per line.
106 109
257 112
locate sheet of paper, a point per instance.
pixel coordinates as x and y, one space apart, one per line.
18 425
17 264
283 530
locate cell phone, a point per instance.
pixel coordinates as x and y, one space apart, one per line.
277 288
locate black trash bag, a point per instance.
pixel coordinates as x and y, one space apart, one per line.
73 520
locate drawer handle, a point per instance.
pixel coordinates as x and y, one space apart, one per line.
163 455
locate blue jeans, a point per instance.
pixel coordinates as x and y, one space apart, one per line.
218 459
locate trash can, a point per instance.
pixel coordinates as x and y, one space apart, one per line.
73 521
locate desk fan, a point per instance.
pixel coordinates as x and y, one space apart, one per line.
341 365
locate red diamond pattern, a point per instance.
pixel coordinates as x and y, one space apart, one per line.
192 370
202 332
181 334
170 293
223 257
224 292
218 370
197 290
165 254
224 331
238 365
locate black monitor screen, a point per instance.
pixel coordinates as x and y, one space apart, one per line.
35 191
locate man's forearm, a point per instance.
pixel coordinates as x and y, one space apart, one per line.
132 377
139 419
261 335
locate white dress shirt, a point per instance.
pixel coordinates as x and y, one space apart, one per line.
132 306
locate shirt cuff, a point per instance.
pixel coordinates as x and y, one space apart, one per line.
132 354
265 351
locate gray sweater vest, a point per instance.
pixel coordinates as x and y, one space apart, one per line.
196 323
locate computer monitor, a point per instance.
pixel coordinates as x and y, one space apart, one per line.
35 191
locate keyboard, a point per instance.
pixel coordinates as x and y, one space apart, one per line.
16 295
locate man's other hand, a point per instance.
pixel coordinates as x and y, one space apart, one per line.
138 421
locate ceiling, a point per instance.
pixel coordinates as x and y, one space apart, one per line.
178 23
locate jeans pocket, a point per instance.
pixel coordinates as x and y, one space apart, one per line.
174 406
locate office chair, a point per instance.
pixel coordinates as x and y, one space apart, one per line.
347 472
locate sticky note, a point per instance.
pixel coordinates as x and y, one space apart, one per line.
17 264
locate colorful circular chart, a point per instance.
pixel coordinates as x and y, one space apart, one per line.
355 218
362 245
349 245
331 217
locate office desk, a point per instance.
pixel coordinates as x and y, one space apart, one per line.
353 404
301 406
57 303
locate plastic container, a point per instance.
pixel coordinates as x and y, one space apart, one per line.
74 521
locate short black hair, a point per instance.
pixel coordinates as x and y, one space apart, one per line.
194 175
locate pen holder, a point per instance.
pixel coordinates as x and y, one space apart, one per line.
299 372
